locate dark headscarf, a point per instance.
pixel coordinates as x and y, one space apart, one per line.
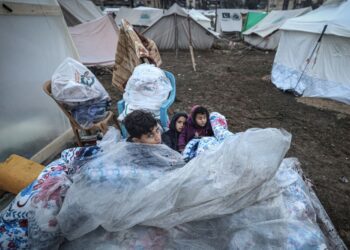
171 136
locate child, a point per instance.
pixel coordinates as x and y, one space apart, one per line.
171 137
198 125
142 127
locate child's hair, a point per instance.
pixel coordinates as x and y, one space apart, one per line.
139 122
200 110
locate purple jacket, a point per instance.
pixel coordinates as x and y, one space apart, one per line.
191 128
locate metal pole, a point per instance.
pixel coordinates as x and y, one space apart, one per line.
309 59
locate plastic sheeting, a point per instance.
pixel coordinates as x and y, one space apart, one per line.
286 221
29 119
147 89
96 41
146 184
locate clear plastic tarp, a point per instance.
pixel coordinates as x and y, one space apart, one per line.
31 49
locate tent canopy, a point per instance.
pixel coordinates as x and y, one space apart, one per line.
336 16
96 41
79 11
273 21
173 31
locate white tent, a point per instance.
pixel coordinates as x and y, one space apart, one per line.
265 34
140 17
79 11
326 73
96 41
174 29
34 41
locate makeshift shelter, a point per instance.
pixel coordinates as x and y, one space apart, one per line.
34 41
311 68
79 11
140 18
252 19
176 30
265 34
96 41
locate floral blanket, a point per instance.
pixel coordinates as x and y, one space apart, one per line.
197 146
45 195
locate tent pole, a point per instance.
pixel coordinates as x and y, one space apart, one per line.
190 41
308 60
176 36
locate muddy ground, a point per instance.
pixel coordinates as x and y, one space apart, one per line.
234 83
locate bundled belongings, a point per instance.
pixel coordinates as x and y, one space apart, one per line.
238 194
132 50
147 89
79 90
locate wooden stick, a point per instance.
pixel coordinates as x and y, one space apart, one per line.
190 41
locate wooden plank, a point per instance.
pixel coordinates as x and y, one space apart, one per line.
25 9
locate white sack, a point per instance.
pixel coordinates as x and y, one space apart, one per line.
147 89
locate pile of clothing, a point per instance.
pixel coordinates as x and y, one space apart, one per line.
77 88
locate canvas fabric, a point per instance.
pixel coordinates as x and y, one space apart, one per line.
132 48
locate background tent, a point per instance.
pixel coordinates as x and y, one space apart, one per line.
327 74
173 31
79 11
200 18
34 41
96 41
265 34
252 19
140 17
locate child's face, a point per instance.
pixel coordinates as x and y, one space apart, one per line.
153 137
201 119
180 123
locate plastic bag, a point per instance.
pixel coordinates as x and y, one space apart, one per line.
147 89
74 84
